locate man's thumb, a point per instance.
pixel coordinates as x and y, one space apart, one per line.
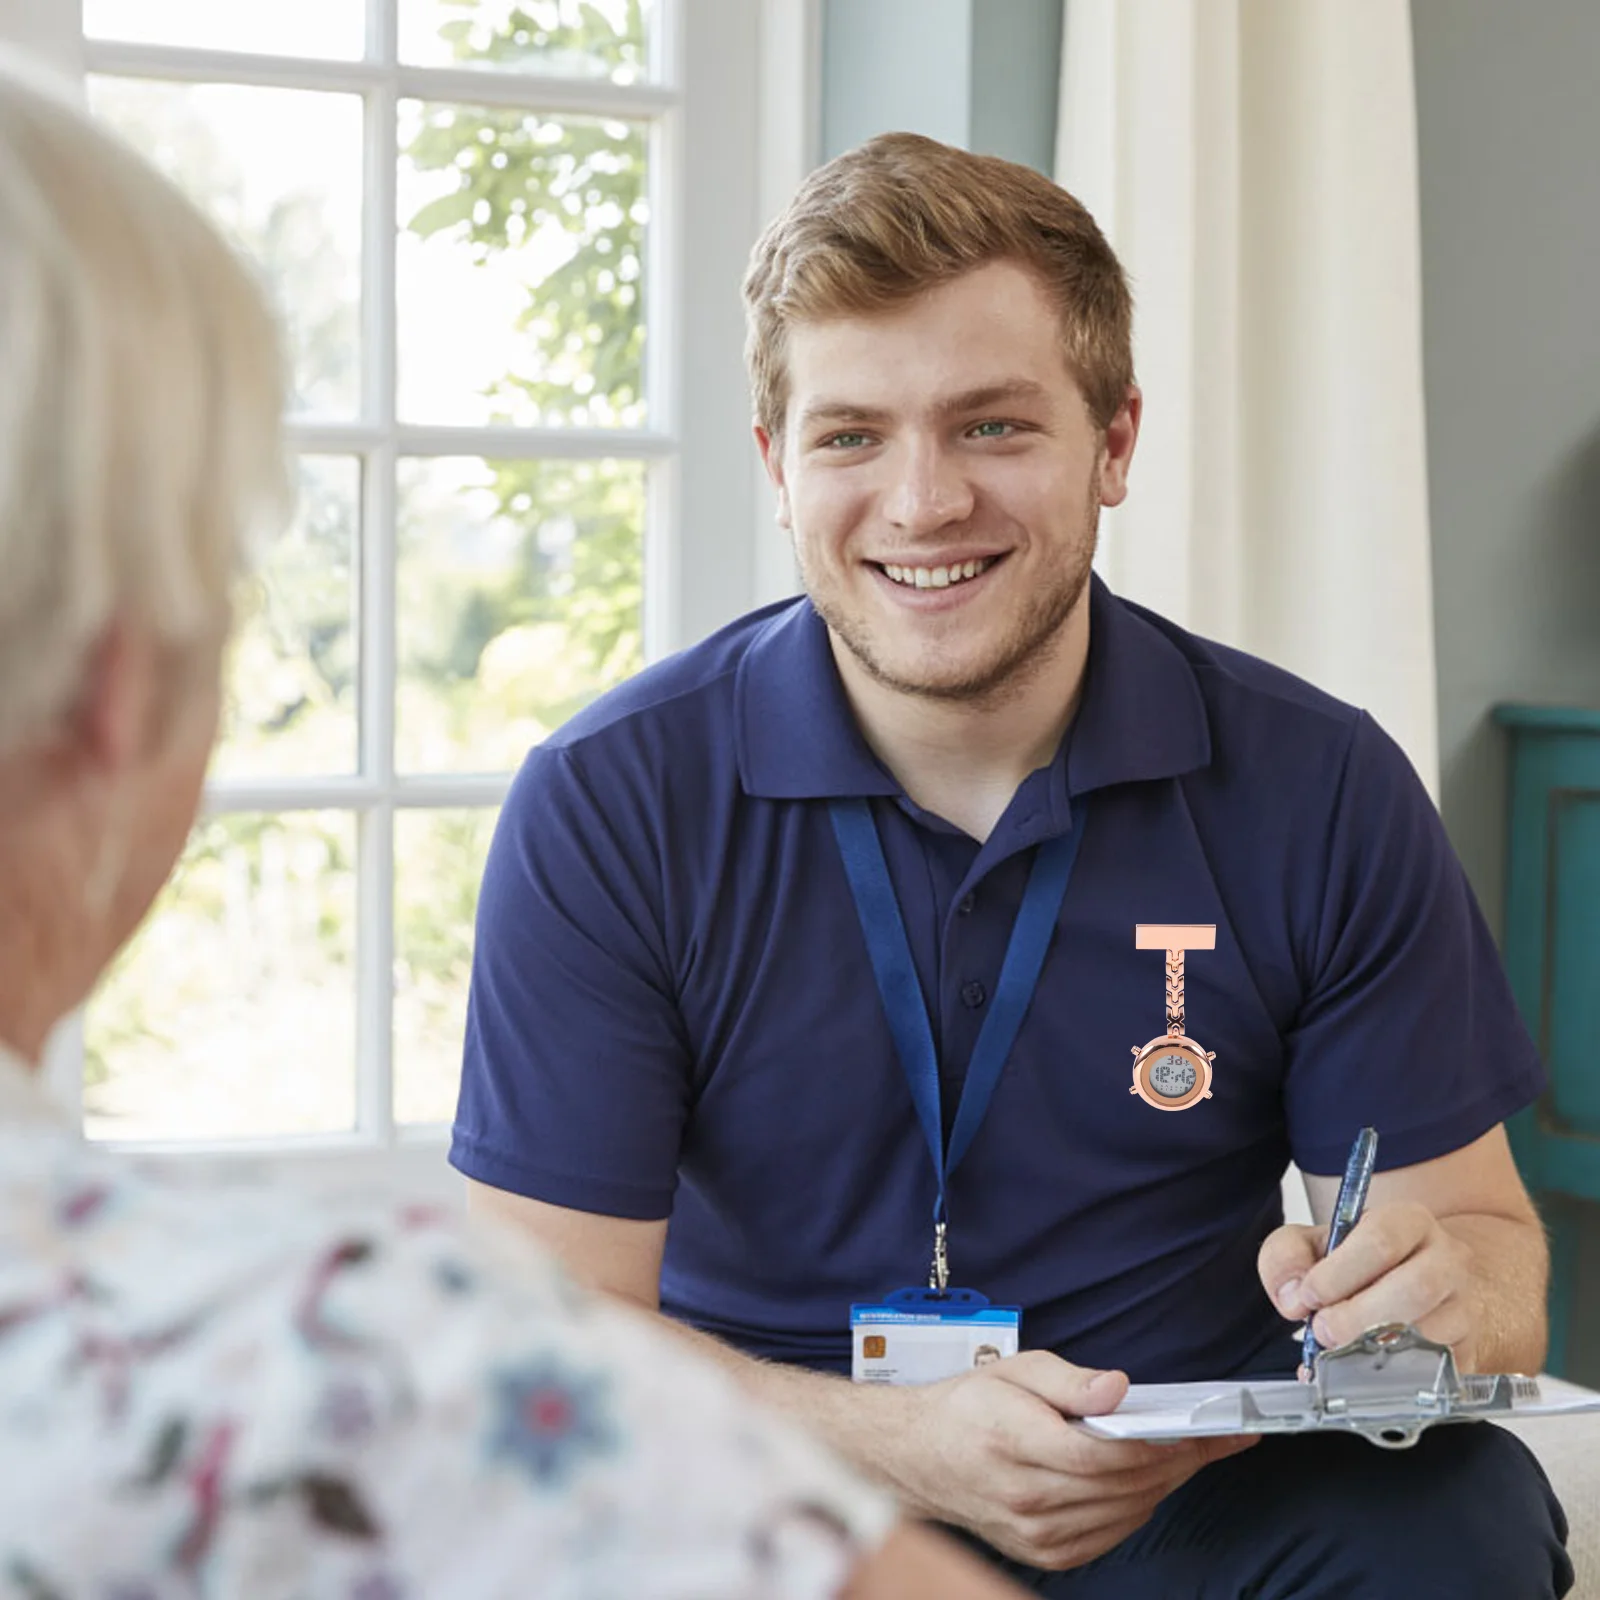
1073 1391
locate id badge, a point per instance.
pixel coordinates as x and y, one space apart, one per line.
923 1335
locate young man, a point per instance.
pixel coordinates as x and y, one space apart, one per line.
692 1001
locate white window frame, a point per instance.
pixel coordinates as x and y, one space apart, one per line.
732 112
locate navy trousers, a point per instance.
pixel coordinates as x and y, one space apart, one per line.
1465 1514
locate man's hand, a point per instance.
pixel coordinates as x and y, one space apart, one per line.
993 1451
1398 1264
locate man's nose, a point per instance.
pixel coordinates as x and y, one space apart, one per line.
929 490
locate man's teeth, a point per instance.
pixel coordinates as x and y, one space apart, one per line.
938 577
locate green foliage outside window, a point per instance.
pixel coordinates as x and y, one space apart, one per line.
519 583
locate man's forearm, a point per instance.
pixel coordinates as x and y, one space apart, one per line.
873 1426
1511 1268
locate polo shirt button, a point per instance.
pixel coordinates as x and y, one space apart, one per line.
973 995
965 904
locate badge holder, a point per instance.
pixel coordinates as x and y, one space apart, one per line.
923 1335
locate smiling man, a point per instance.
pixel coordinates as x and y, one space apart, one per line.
808 958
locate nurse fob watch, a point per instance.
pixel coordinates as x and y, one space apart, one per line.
1173 1072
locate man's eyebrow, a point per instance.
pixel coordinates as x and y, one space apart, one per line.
844 412
835 411
994 394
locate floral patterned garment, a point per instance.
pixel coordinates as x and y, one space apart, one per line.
222 1386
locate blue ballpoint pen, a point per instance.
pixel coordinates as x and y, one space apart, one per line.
1346 1213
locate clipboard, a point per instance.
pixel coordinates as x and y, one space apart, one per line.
1388 1386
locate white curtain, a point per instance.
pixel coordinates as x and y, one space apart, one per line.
1253 162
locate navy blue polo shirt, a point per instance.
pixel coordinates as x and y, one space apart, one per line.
673 1011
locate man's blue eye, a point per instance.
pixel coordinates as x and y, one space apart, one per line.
992 430
847 441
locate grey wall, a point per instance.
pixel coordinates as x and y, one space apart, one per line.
1508 110
894 64
977 73
1016 79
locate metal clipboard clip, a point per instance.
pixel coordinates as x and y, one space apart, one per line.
1388 1386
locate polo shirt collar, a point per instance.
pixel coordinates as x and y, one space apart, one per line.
1142 715
797 736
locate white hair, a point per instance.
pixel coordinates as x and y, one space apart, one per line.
141 385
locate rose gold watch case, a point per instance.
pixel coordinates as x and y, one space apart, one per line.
1173 1044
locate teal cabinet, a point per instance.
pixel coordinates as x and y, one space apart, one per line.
1552 950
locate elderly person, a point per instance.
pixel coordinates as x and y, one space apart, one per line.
233 1390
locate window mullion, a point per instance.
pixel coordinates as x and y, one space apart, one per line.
513 443
383 32
375 883
496 442
662 625
440 791
375 976
468 85
227 796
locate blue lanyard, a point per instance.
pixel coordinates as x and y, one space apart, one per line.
890 952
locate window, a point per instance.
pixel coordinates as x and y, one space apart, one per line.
470 213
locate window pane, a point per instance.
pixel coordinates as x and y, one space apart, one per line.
520 267
572 38
327 29
292 675
438 862
293 204
520 587
232 1012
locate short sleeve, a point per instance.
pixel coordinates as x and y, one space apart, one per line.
575 1074
1409 1024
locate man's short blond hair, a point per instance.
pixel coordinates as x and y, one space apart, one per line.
902 214
141 385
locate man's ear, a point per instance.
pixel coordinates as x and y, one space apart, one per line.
1116 456
772 459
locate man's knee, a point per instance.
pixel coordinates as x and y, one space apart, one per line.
1487 1516
1466 1514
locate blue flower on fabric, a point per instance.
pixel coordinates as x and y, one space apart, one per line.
453 1277
550 1421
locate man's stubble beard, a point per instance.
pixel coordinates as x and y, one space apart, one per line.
1023 656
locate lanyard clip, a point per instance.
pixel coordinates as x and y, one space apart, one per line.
939 1273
